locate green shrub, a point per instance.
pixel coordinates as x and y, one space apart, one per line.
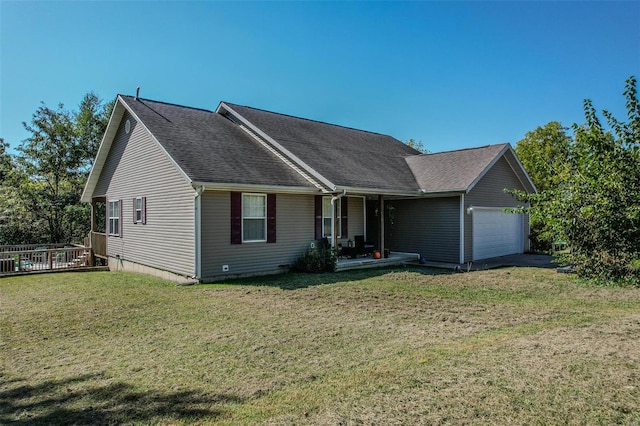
317 260
604 266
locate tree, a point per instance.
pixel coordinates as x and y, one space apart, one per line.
417 145
16 222
90 123
51 168
595 204
5 161
544 153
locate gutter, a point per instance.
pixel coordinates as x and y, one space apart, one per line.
256 188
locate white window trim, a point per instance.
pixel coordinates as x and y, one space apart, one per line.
141 210
264 218
338 214
136 209
116 210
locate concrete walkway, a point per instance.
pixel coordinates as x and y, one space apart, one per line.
395 258
527 259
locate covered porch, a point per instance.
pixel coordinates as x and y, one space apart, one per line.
353 227
357 230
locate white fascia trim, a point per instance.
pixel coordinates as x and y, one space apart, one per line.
107 141
243 187
279 147
489 166
184 175
507 148
524 172
377 191
282 157
451 193
103 151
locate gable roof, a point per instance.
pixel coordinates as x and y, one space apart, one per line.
210 148
346 157
205 146
459 171
239 146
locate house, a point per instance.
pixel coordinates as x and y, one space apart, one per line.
186 192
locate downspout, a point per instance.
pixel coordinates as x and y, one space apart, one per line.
462 219
334 237
197 232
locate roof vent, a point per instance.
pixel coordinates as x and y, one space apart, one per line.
138 93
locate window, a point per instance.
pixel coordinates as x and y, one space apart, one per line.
322 214
114 217
326 217
254 217
139 210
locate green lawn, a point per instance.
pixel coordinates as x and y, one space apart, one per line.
403 346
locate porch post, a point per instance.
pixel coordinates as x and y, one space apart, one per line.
381 224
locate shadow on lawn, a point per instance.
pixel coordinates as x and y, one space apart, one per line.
300 280
83 400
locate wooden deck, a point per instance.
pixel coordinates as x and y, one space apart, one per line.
38 258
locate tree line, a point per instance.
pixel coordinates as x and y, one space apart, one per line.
41 185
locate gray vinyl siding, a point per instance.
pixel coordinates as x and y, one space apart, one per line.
428 226
136 166
295 230
489 192
355 225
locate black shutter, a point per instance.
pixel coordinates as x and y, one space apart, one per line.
344 209
318 215
144 210
271 218
236 218
121 218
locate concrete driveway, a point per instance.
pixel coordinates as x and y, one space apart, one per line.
532 260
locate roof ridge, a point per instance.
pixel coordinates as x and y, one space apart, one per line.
466 149
164 103
307 119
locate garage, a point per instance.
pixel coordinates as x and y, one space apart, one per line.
496 233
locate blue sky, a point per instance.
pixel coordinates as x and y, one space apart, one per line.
450 74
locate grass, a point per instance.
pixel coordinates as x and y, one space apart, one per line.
391 346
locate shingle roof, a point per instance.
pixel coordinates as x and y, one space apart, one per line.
347 157
452 171
211 149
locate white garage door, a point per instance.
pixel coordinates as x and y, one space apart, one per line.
496 233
